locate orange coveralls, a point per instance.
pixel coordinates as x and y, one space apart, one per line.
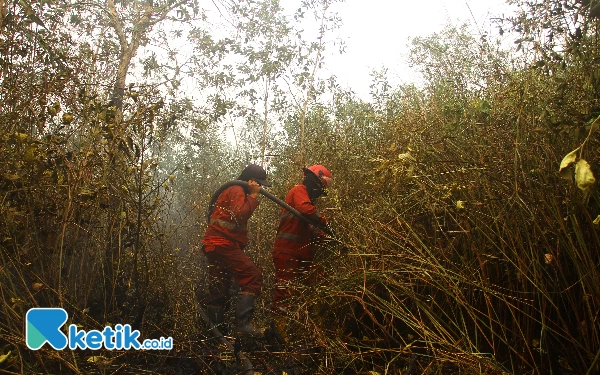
293 251
224 242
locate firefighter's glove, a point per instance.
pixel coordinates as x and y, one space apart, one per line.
329 231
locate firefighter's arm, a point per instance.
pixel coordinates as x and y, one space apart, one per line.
242 204
318 232
304 205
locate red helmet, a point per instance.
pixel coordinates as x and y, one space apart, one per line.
321 172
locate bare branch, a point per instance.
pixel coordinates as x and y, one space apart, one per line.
116 22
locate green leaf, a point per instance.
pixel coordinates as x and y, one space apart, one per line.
37 20
485 107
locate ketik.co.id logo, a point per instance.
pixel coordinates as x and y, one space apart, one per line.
43 325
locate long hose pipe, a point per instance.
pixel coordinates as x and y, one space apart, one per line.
295 212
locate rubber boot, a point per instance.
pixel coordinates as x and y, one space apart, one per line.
280 324
275 333
216 317
243 316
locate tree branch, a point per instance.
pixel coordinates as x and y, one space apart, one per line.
116 22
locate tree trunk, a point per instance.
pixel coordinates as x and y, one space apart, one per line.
119 88
2 13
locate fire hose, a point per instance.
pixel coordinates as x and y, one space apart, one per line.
273 198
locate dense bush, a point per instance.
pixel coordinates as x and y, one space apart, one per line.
468 251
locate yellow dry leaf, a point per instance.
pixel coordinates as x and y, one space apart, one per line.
406 157
583 175
67 118
29 154
12 177
569 159
101 361
597 220
460 205
4 357
21 137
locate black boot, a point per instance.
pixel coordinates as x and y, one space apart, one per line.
273 337
243 316
216 317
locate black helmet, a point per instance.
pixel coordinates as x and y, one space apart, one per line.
254 172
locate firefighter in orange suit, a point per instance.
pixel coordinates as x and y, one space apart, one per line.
224 242
293 248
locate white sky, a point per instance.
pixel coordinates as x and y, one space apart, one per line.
377 34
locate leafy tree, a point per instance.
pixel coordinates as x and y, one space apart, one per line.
121 28
458 70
